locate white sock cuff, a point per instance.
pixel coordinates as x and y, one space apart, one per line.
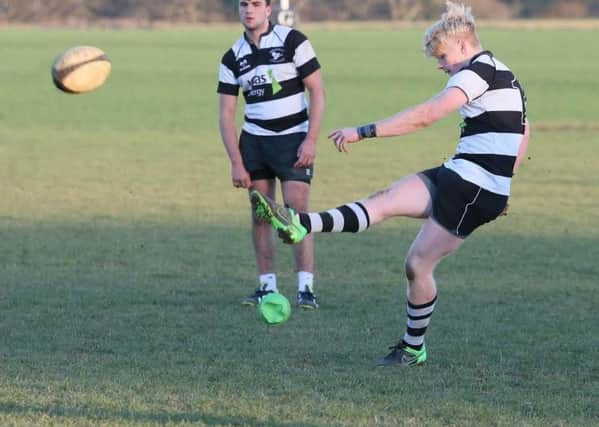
268 281
305 279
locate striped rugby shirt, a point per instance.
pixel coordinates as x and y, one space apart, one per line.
270 77
493 126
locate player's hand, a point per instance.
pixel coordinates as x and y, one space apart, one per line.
240 177
306 153
344 136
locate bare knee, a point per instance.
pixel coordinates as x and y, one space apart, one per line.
415 267
410 268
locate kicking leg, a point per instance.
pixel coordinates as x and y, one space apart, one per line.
410 196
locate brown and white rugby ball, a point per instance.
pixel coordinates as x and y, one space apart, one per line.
81 69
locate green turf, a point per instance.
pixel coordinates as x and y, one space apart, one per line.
124 250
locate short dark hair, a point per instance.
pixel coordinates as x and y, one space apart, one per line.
267 2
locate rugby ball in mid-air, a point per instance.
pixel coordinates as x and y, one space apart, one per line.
80 69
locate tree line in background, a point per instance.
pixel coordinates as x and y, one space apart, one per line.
196 11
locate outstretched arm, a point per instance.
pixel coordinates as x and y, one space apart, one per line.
406 121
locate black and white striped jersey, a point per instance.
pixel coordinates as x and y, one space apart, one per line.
493 126
271 79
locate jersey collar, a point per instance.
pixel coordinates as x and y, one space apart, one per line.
267 32
484 52
478 55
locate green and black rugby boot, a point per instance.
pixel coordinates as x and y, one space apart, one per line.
283 219
306 300
256 297
402 355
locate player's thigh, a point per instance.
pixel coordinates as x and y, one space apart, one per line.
254 156
251 151
410 196
281 155
296 194
431 245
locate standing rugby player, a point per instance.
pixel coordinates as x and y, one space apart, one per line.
273 65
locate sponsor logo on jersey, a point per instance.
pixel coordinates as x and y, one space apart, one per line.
276 86
277 55
257 80
244 64
255 86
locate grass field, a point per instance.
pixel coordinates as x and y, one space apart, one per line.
124 250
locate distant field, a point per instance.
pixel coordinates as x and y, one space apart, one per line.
124 250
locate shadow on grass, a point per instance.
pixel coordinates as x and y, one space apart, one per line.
58 411
142 311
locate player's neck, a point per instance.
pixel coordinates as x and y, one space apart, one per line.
254 35
474 51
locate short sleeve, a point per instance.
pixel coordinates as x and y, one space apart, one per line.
227 82
304 56
471 83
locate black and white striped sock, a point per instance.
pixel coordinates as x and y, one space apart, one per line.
352 217
419 316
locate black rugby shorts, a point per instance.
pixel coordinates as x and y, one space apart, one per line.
270 157
460 206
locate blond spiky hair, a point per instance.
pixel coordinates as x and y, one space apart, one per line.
457 19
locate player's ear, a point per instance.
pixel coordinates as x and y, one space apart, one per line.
462 45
